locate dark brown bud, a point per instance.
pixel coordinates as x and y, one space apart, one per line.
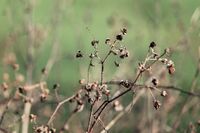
116 64
21 90
56 86
125 83
152 45
94 42
124 53
92 56
156 104
43 97
107 41
171 69
124 31
44 70
52 130
79 54
154 81
119 37
32 117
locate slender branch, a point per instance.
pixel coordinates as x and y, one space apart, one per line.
126 110
102 65
57 108
123 93
90 116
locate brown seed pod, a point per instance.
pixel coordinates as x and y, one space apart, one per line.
107 41
156 104
152 44
124 31
94 42
154 81
119 37
171 69
79 54
163 93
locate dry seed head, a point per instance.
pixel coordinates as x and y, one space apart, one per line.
81 81
117 106
56 86
32 117
156 104
119 37
123 53
152 44
163 93
171 69
21 90
79 54
154 81
107 41
124 31
125 83
43 97
94 42
44 71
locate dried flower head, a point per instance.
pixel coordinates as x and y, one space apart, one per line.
79 54
171 69
117 106
56 86
154 81
163 93
152 45
125 83
107 41
94 42
119 37
123 53
156 104
32 117
44 71
21 90
124 31
42 129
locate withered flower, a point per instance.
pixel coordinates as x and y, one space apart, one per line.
119 37
154 81
79 54
94 42
163 93
107 41
152 44
156 104
124 31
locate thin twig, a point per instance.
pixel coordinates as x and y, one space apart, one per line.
57 108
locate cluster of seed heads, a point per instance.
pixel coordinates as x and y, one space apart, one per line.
44 129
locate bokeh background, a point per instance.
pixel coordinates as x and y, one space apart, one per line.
67 26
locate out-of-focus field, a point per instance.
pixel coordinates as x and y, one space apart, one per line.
72 24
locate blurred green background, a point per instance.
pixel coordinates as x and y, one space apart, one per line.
72 24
